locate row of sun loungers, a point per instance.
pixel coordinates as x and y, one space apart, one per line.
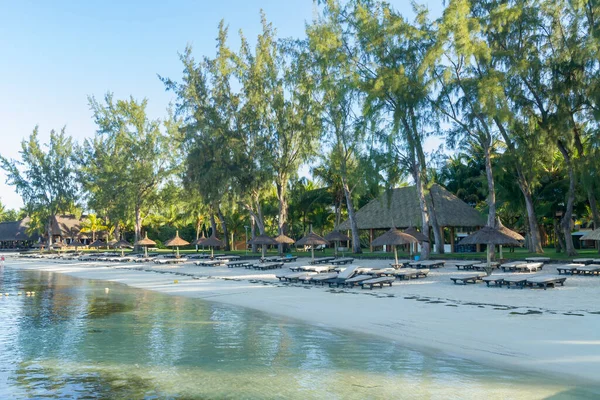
581 269
279 259
427 264
522 266
542 281
322 260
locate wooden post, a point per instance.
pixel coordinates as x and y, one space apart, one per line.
371 240
451 239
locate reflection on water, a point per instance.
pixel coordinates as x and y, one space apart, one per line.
73 340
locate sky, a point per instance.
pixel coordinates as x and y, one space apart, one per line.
54 54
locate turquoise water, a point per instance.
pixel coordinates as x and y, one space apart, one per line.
74 340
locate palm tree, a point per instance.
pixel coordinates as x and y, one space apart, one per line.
93 224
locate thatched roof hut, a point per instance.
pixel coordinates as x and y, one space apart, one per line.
401 208
16 231
593 235
65 226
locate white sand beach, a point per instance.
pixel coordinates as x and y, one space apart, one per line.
553 331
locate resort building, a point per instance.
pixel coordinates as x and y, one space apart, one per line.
13 235
400 208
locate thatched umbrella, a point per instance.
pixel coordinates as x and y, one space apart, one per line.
263 240
76 243
98 243
199 241
394 237
145 242
111 243
40 245
312 240
176 242
59 245
283 239
490 237
121 244
507 232
212 242
337 237
593 235
412 231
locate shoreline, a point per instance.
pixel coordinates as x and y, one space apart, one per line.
536 331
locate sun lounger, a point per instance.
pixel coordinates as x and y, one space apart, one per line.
592 269
584 261
515 280
343 276
235 264
530 267
271 259
538 259
467 278
568 268
411 273
355 280
546 280
210 263
381 271
483 266
496 280
511 266
198 256
319 278
465 264
266 266
384 280
342 261
226 257
401 264
428 264
322 260
289 259
295 277
172 260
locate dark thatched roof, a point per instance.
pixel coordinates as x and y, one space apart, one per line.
416 234
508 232
336 236
263 240
213 241
76 243
401 208
176 241
145 241
199 241
311 239
489 235
98 243
393 237
122 243
593 235
16 231
66 225
284 239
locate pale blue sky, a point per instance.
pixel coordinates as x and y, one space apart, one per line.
53 54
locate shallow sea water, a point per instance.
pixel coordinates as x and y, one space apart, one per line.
75 340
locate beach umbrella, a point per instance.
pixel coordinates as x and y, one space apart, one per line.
490 237
176 242
417 235
40 245
98 243
507 232
263 240
312 240
337 237
394 237
76 243
212 242
59 245
121 244
199 241
145 242
283 239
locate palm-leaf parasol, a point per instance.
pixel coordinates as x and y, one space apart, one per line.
489 236
337 237
263 240
98 243
212 242
145 242
121 244
507 232
176 242
394 237
312 239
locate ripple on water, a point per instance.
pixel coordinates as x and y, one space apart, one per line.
74 340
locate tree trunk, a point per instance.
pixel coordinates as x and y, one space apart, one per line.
283 206
213 225
224 226
535 244
568 215
424 213
437 230
558 243
253 232
50 231
138 224
491 200
351 216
